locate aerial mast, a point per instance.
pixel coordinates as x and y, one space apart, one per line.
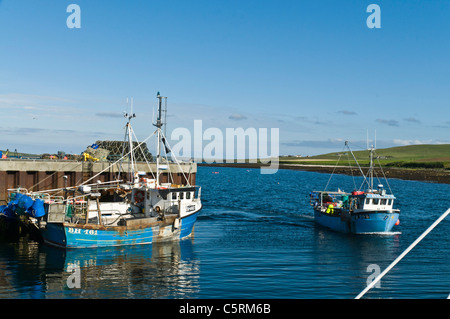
371 150
371 167
128 116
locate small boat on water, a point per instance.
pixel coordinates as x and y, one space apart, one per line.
357 212
142 211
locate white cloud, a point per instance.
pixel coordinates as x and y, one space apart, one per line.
22 105
346 112
387 122
237 117
333 143
407 142
404 142
412 120
109 114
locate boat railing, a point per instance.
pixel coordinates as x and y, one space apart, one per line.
52 199
14 191
46 197
321 198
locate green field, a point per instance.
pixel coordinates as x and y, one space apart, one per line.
411 156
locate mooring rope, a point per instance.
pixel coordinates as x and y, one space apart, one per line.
373 283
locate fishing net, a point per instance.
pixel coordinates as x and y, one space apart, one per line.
113 150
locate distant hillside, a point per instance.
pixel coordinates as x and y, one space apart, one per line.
424 152
411 156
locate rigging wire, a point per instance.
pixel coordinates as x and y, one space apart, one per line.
329 179
176 161
143 154
119 159
389 186
51 175
351 169
362 173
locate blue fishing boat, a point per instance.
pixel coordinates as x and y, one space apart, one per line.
358 212
159 219
141 211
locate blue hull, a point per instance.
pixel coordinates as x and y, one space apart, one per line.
358 223
67 235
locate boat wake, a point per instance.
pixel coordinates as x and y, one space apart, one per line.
311 217
261 217
389 233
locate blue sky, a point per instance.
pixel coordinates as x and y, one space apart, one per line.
313 69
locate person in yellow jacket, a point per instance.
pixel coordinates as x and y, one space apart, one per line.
330 209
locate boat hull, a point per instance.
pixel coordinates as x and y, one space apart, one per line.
67 235
365 222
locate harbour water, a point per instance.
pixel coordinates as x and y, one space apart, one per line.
255 238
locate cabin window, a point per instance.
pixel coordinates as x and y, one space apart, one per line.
181 195
174 196
383 201
375 201
188 195
360 202
367 201
390 202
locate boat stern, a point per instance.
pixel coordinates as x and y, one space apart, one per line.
54 234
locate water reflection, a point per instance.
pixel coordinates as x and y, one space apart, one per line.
348 256
163 270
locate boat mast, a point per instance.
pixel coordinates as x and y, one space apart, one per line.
371 169
158 124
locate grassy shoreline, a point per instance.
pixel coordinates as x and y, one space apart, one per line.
435 156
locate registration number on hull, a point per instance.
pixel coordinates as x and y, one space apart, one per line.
82 231
190 208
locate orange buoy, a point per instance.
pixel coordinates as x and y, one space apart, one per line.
397 222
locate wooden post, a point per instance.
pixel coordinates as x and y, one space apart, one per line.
87 212
99 212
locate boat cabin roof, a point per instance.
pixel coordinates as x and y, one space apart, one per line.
372 194
375 195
